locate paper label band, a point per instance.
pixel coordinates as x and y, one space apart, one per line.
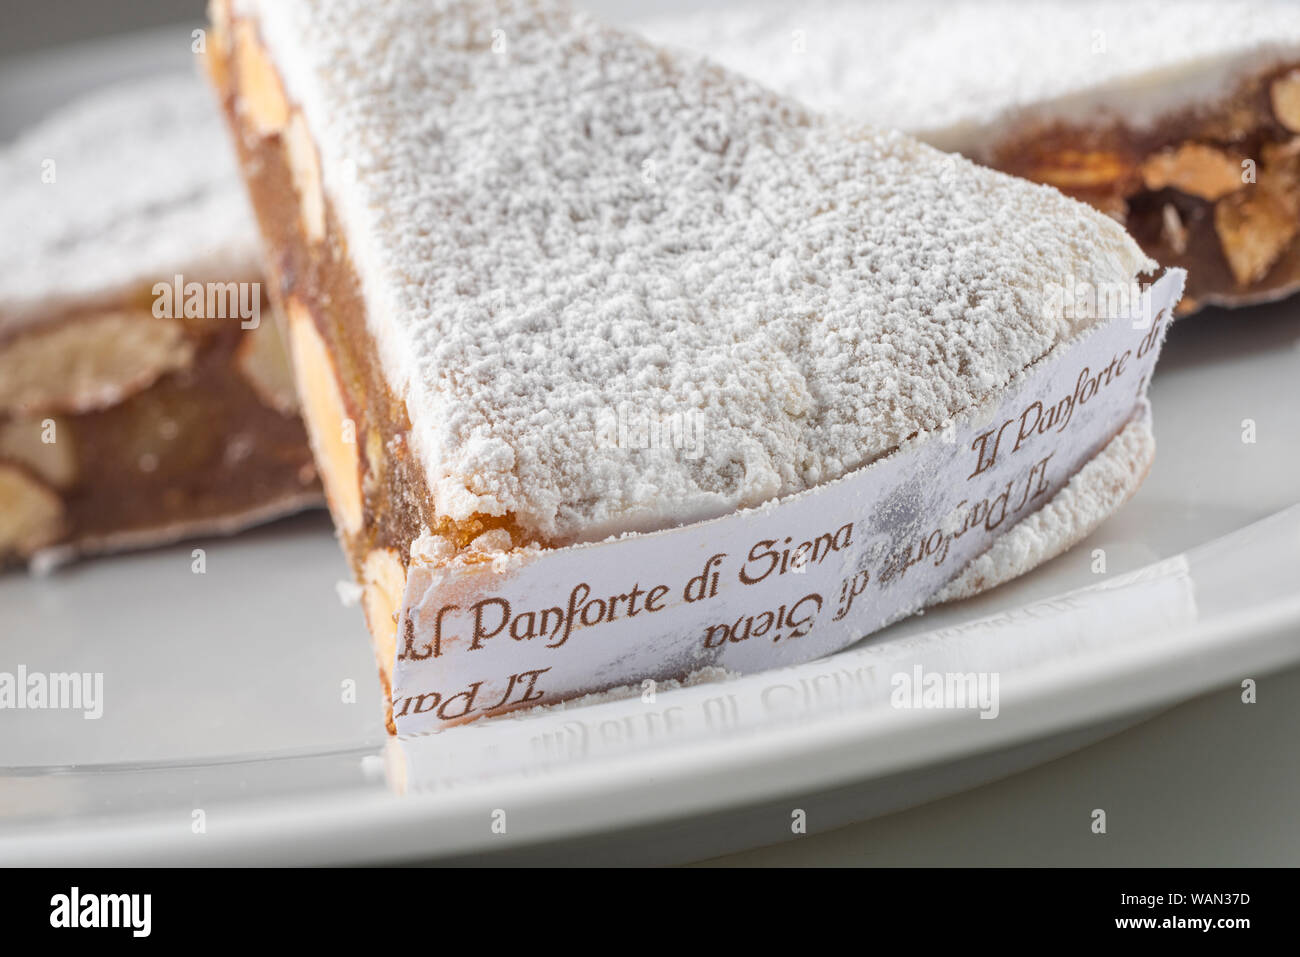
779 584
1152 607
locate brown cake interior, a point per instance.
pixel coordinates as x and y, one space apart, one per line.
315 276
376 489
152 446
1214 189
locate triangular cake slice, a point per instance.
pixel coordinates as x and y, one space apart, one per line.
143 395
548 284
1181 118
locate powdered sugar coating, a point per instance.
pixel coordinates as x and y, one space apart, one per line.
953 71
144 187
579 223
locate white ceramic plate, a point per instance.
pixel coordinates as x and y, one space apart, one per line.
219 700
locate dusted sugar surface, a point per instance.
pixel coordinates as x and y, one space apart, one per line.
948 69
563 231
144 187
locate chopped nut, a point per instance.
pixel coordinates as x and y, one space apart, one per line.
1172 229
431 549
1285 97
1235 123
31 515
495 541
300 153
47 449
1286 152
333 434
1280 172
217 50
375 464
383 587
88 364
1195 169
1254 228
219 14
1079 169
262 361
260 94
